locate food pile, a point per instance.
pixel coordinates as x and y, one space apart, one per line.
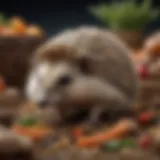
18 40
149 71
16 26
136 137
128 138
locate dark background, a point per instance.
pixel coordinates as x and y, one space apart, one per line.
55 15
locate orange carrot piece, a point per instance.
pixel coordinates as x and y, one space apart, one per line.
77 132
18 25
117 131
2 84
33 133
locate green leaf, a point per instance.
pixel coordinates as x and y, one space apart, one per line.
126 15
27 121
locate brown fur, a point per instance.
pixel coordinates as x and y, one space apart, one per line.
58 52
111 81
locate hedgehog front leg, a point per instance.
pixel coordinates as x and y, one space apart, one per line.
98 95
94 115
110 100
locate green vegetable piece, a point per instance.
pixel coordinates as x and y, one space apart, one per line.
27 122
3 19
128 143
111 146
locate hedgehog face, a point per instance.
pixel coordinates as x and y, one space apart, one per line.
59 72
47 81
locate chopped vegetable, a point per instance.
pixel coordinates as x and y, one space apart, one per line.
111 146
27 121
3 20
34 30
2 84
77 132
145 141
1 29
18 25
119 130
143 72
146 117
128 143
32 132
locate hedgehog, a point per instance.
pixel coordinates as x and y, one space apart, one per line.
83 68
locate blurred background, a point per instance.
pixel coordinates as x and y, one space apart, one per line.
55 15
131 20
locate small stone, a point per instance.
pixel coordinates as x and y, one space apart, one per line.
155 134
126 151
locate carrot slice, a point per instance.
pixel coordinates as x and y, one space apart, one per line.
77 132
2 84
33 133
117 131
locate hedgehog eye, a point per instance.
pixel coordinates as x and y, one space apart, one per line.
84 65
64 80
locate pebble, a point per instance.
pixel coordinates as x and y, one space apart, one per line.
155 134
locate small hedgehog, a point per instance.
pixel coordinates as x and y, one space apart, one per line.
83 68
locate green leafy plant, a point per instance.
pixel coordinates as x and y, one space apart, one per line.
3 20
125 15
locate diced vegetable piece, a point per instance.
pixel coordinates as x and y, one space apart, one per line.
146 117
111 146
119 130
128 143
77 132
145 141
18 25
33 133
34 30
2 84
27 121
143 72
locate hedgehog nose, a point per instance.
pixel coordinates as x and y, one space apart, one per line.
42 104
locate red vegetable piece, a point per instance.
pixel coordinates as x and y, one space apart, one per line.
146 117
1 29
145 141
77 132
143 72
2 84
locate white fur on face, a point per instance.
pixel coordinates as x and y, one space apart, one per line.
35 90
42 78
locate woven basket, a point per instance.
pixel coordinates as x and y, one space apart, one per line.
132 38
15 54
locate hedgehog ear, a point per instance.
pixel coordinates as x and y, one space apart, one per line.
83 64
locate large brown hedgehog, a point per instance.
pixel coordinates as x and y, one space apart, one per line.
83 68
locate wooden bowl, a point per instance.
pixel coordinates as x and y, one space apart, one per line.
15 54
